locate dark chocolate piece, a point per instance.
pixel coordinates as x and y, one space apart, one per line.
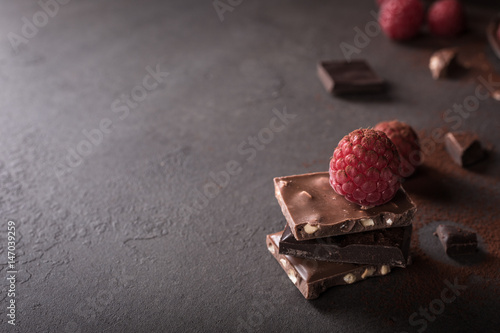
386 246
443 62
456 241
312 277
464 147
343 77
314 210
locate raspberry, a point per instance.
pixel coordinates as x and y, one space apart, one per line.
406 141
446 18
401 19
364 168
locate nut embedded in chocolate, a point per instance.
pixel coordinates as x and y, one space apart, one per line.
329 213
385 269
368 272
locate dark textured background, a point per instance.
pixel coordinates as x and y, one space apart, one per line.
119 243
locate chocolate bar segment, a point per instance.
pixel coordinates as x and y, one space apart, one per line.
342 77
314 210
456 241
386 246
312 277
464 147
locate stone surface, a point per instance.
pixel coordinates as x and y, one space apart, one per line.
121 241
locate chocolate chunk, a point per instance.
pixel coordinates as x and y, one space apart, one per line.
464 148
312 277
342 77
314 210
456 241
443 62
387 246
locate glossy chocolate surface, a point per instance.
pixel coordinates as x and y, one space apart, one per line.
312 277
314 210
386 246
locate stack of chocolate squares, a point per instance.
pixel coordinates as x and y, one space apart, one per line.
329 241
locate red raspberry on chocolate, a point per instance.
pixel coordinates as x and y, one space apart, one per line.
407 143
364 168
446 18
401 19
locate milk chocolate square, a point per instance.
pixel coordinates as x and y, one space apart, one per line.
312 277
313 209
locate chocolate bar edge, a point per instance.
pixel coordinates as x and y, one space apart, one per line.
314 289
345 88
375 254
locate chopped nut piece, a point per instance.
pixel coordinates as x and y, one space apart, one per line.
389 221
368 272
310 229
350 278
314 277
283 262
270 248
367 222
307 194
385 269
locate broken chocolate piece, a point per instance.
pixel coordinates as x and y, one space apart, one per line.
343 77
314 210
442 62
312 277
456 241
464 147
386 246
